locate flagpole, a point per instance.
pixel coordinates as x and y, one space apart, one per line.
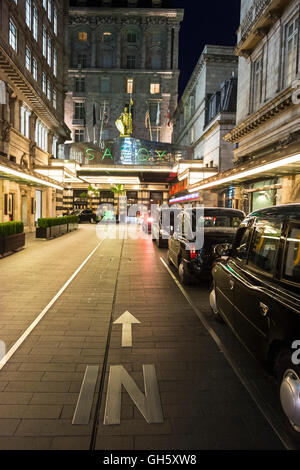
102 120
94 119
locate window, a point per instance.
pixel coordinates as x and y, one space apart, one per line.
257 83
131 61
79 111
41 134
55 62
131 37
156 37
291 267
241 243
35 23
48 89
49 50
28 13
81 61
291 50
106 59
264 246
44 82
156 61
130 86
49 10
104 84
79 135
82 36
24 121
55 20
34 68
12 35
79 84
107 37
154 88
44 41
54 98
28 58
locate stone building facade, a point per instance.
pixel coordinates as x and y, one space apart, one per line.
266 136
206 112
121 53
118 54
32 65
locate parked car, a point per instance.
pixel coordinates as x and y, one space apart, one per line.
163 226
85 215
220 225
256 290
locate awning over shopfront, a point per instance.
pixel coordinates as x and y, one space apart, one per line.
11 171
258 168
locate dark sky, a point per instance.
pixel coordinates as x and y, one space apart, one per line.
205 22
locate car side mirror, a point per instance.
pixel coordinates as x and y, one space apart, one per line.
223 249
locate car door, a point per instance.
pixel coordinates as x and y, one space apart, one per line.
255 289
225 273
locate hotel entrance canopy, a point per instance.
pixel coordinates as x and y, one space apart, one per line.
126 157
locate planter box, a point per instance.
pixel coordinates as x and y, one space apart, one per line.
12 243
55 230
72 227
42 232
63 229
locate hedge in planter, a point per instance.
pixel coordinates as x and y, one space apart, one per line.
53 226
12 236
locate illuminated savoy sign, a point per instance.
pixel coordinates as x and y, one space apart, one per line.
125 151
143 155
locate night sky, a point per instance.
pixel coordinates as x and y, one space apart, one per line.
205 22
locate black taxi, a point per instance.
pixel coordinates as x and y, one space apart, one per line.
256 290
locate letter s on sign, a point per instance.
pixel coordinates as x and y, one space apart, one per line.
296 93
91 155
296 354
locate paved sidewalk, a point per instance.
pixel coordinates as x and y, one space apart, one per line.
204 405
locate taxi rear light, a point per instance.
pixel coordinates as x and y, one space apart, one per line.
193 252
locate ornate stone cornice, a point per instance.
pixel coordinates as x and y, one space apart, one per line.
273 107
118 20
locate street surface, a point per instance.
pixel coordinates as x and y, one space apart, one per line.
204 403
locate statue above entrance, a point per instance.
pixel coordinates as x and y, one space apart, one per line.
124 123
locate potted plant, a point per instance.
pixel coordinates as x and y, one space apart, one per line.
12 236
118 189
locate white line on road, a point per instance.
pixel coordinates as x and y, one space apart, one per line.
27 332
85 400
264 408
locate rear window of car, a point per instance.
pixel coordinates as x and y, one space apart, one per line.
291 263
264 246
216 221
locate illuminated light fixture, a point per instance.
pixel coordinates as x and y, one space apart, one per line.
189 197
113 179
254 171
19 174
137 169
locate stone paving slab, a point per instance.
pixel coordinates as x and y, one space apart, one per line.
204 404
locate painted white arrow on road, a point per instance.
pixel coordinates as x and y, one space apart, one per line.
126 320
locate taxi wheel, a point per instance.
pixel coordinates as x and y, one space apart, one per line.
288 390
185 278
